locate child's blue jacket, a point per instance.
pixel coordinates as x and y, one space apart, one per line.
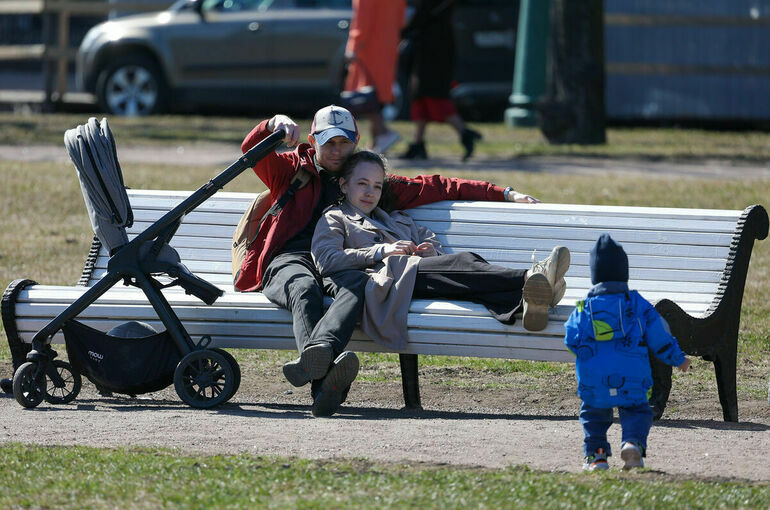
609 333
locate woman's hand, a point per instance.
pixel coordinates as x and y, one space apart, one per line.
425 250
400 248
285 123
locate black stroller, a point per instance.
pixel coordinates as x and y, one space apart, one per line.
132 358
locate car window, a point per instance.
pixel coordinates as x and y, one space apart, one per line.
273 5
245 5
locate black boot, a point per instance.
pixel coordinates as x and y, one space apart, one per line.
469 138
415 151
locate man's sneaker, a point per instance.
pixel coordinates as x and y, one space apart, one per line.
631 455
537 295
335 385
312 364
385 141
554 267
597 461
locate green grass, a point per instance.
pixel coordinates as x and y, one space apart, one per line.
80 477
500 141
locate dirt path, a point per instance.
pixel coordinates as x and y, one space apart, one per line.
460 426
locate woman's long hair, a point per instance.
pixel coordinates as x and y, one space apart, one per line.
388 199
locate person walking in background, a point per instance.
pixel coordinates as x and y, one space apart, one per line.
372 54
611 333
431 34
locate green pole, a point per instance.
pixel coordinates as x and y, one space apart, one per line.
529 66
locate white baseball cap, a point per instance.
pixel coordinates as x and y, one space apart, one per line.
332 121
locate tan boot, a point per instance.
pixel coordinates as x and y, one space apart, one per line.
536 295
554 267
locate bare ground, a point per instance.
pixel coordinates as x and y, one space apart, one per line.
471 417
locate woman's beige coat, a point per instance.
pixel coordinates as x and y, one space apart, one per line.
345 238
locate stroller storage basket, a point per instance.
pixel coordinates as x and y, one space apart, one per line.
121 365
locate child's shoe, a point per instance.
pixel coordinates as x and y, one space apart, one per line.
597 461
631 455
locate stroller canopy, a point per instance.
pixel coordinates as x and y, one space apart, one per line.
91 148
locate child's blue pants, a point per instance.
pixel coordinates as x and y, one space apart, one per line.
634 420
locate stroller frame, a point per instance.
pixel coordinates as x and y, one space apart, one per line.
204 377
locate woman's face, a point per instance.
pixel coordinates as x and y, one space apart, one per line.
364 187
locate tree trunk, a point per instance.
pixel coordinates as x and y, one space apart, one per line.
572 110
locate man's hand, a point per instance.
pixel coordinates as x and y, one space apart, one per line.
685 365
515 196
285 123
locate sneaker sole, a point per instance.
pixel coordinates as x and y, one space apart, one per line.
537 295
312 364
632 458
334 385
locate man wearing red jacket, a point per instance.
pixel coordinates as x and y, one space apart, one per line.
279 261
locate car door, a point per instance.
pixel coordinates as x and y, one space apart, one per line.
227 48
308 40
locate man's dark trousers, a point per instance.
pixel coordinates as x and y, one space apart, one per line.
292 282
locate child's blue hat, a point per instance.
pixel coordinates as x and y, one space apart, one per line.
608 261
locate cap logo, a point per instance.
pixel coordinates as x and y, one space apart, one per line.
334 121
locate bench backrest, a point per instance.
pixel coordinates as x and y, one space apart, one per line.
673 253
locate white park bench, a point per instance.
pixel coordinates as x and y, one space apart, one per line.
695 258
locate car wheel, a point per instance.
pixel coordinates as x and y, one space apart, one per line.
132 86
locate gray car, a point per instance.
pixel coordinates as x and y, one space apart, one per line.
267 55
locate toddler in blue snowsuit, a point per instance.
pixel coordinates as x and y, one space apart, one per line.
610 332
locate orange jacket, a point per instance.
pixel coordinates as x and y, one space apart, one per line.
375 32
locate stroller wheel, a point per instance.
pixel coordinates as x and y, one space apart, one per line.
29 384
62 384
236 369
204 379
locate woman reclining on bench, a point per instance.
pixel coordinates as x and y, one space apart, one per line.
406 261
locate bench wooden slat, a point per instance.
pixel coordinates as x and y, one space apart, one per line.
152 199
252 342
681 271
121 296
434 217
660 256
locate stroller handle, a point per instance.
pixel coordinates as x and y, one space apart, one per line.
248 160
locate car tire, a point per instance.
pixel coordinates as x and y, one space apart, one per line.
132 86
